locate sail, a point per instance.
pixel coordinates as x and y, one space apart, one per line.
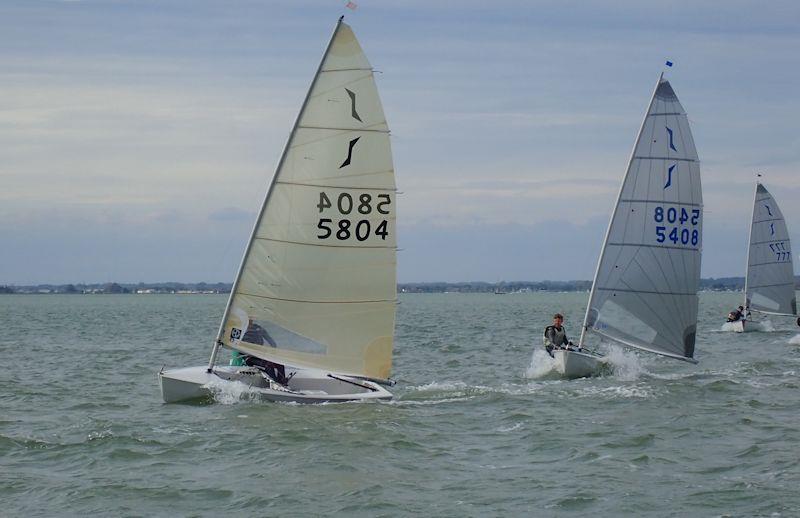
317 285
645 289
769 286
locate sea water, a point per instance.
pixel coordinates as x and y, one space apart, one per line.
478 426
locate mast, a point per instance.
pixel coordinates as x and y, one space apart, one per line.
613 211
217 340
749 240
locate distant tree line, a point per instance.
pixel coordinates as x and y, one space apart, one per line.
711 284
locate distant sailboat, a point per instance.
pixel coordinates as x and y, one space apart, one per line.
769 283
644 293
312 308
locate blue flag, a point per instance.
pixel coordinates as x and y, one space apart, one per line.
669 63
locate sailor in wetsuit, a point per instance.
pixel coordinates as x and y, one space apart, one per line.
258 335
736 315
555 336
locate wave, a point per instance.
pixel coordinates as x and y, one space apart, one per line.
795 340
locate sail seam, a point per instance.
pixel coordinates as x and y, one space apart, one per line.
655 246
665 158
630 200
770 285
317 301
345 69
324 246
767 220
768 241
622 290
665 113
344 129
341 186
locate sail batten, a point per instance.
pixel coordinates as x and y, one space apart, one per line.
317 285
769 283
644 293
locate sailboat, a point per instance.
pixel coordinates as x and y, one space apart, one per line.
311 311
769 283
644 293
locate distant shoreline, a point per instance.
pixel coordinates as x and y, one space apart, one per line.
204 288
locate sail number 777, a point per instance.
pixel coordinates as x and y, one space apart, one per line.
680 225
343 227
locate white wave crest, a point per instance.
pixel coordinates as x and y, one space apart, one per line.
542 364
795 340
625 364
230 392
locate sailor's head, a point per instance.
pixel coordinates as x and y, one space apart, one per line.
558 319
741 308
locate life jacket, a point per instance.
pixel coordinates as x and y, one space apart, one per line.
559 336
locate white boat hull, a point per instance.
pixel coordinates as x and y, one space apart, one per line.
305 386
574 364
739 326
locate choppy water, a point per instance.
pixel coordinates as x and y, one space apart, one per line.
83 430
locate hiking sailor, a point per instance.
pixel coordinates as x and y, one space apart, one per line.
736 315
555 336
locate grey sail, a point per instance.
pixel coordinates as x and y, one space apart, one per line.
769 286
644 293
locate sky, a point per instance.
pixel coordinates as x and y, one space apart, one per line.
137 138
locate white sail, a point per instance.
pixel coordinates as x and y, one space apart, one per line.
769 286
317 285
645 289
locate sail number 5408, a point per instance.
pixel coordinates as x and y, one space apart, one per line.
346 228
681 230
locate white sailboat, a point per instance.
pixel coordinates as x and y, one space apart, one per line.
769 282
644 293
312 308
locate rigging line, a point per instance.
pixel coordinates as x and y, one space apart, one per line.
355 188
317 301
323 246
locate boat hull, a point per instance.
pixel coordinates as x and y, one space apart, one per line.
306 386
575 364
739 326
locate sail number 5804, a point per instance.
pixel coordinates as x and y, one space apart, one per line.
346 228
681 231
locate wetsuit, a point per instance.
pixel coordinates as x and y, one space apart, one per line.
735 316
554 338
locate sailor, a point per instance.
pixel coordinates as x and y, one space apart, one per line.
555 336
736 315
257 335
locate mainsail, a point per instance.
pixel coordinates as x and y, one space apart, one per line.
317 284
644 293
769 286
